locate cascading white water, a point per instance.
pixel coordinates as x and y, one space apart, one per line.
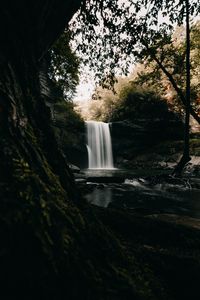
99 145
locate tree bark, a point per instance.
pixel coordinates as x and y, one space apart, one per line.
177 89
186 152
37 189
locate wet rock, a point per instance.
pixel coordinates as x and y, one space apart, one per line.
133 142
178 220
195 183
74 168
80 180
79 175
100 186
167 179
106 179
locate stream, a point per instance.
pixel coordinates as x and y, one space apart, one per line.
133 190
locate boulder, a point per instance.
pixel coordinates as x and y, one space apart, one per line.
74 168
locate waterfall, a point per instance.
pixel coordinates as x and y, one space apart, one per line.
99 145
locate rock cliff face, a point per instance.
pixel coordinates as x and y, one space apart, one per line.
31 27
133 139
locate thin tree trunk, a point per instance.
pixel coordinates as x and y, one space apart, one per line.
186 153
177 89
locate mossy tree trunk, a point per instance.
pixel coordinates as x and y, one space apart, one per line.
36 187
27 31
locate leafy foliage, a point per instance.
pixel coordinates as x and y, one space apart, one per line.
68 126
111 33
168 53
138 102
64 66
102 104
64 72
129 102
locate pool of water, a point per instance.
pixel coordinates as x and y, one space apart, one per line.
133 191
124 173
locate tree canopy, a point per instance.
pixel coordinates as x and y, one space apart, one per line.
111 34
170 57
64 65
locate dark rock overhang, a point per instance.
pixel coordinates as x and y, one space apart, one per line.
32 26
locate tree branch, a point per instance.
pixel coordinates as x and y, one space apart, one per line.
174 84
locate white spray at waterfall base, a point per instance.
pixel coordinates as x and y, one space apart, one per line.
99 145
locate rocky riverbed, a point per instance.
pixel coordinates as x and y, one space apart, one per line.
145 191
155 219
